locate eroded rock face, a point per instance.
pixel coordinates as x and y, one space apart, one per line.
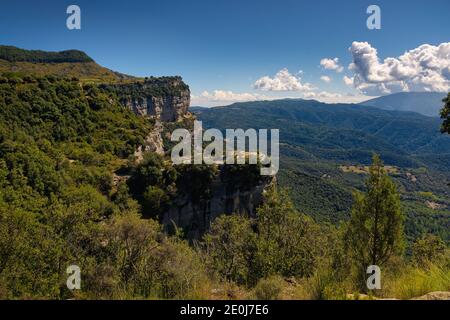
166 99
153 143
167 108
195 218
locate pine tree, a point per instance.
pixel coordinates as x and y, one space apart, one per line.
445 114
375 230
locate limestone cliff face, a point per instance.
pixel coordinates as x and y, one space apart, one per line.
153 142
167 108
195 218
166 99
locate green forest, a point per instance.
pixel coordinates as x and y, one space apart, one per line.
325 150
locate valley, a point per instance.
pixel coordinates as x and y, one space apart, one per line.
325 150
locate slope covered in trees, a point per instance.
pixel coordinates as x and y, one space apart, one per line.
70 63
14 54
325 147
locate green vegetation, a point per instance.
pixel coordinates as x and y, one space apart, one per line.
374 232
281 254
69 64
157 87
13 54
318 140
60 143
72 192
445 114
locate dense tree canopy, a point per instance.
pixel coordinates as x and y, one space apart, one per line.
445 114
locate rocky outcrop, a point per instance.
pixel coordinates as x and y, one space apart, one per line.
195 218
167 108
153 143
166 99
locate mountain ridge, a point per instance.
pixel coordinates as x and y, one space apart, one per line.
323 148
67 63
425 103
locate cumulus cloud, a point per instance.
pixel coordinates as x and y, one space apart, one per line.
348 81
325 79
425 68
331 64
223 97
282 81
333 97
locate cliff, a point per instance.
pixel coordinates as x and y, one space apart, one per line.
166 98
195 218
166 101
233 190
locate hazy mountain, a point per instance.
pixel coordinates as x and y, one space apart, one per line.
338 131
426 103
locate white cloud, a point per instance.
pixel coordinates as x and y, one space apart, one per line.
333 97
331 64
282 81
425 68
348 81
326 79
223 97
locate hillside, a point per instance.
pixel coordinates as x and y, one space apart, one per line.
78 185
320 143
426 103
70 63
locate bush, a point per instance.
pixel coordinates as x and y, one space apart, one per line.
414 282
429 249
229 246
269 288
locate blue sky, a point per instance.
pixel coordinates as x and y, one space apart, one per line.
229 45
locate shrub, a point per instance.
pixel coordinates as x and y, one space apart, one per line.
269 288
414 282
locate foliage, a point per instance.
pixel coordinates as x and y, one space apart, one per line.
11 53
229 248
429 249
375 230
283 242
316 139
445 114
287 241
269 289
414 282
63 146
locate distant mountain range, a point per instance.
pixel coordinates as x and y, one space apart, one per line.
426 103
339 131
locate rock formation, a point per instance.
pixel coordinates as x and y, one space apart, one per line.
195 219
166 98
166 101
